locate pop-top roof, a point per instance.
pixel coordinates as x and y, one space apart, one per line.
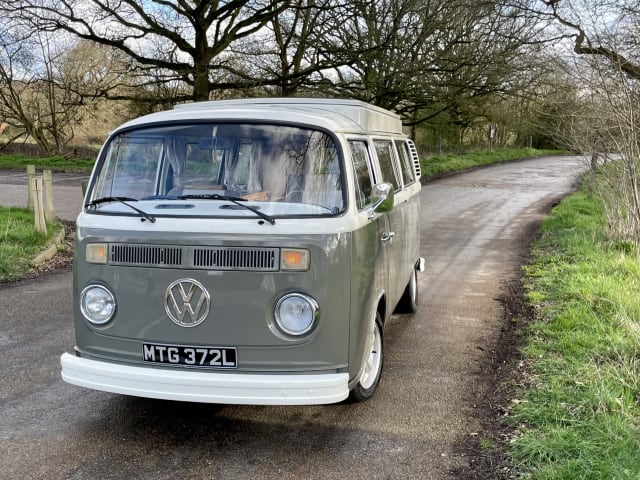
363 115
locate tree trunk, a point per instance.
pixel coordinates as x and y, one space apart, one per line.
201 81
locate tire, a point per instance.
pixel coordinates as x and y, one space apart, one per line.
370 376
409 301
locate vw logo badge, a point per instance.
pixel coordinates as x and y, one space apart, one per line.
187 302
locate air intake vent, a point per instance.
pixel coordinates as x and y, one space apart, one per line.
145 255
237 258
415 158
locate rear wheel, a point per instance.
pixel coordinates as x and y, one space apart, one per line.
370 376
409 301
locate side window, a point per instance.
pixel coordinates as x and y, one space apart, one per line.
384 149
360 161
405 161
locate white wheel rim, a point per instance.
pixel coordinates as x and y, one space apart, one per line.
374 360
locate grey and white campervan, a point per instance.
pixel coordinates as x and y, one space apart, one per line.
246 251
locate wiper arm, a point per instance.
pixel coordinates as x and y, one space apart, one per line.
122 200
234 200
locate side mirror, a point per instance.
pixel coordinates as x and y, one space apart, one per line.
383 199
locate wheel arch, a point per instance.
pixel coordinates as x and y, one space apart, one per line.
382 308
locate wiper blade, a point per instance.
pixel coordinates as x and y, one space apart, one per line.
93 203
122 200
234 200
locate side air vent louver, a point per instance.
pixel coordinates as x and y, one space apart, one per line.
145 255
237 258
415 158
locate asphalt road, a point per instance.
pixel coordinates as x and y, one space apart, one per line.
425 408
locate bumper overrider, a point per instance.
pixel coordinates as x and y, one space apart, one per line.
205 387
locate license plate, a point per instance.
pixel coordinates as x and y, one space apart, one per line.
190 356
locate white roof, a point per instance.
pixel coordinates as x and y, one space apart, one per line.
334 114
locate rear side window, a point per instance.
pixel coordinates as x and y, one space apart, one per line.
361 161
405 162
384 149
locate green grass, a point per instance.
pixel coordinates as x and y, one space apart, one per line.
19 242
434 166
580 417
59 164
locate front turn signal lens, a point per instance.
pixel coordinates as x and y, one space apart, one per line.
96 253
294 259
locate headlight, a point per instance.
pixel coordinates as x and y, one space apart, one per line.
97 304
296 313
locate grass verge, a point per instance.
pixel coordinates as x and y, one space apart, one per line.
19 242
435 166
58 164
580 415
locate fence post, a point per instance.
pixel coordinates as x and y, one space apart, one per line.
38 204
31 173
49 212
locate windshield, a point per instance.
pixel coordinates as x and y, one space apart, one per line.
281 170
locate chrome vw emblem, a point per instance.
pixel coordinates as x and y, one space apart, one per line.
187 302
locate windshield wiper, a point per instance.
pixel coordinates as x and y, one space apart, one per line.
122 200
234 200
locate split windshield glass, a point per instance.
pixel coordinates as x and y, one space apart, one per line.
279 170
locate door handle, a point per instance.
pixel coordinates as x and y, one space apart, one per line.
386 236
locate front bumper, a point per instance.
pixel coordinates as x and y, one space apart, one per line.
205 387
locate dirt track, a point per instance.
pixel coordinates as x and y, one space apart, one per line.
434 405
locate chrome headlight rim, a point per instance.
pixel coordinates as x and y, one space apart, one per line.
315 313
83 308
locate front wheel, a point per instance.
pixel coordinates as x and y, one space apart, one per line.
370 376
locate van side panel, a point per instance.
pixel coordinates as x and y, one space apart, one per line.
368 279
405 222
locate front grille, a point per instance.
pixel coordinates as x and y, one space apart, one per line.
254 259
237 258
145 255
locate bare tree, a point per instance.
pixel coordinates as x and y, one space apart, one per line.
29 100
606 127
183 40
286 57
603 28
47 85
604 115
424 58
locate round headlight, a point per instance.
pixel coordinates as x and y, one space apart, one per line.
296 313
97 304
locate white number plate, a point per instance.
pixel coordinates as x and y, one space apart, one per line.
190 356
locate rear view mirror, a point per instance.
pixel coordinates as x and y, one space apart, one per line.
383 199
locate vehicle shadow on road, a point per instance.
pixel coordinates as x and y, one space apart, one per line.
141 436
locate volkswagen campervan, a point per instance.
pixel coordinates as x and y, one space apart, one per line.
246 251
